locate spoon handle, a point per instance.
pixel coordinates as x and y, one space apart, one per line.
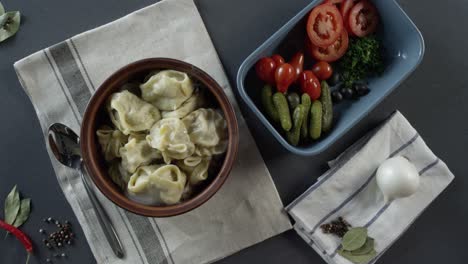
103 218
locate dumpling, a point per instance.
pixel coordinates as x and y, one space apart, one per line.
156 184
131 114
137 152
119 175
170 136
196 168
207 130
167 90
111 141
196 101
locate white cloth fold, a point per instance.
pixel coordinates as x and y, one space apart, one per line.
60 80
349 190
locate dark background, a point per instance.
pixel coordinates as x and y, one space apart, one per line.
433 99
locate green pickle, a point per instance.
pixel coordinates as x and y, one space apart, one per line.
281 105
306 102
293 100
316 120
267 101
327 107
294 135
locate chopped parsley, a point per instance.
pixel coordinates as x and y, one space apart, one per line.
362 60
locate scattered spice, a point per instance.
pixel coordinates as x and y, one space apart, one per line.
337 227
59 238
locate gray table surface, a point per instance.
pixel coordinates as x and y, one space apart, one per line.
434 99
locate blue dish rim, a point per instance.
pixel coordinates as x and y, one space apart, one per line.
312 149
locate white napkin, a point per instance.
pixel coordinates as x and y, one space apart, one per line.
349 190
60 80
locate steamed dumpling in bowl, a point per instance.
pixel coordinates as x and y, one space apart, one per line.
138 152
157 184
208 131
170 136
130 114
111 140
167 90
196 101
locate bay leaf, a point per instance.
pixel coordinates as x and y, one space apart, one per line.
23 214
2 9
9 24
358 259
12 206
368 247
355 238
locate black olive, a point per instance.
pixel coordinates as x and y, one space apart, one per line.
347 93
334 79
361 89
293 100
337 96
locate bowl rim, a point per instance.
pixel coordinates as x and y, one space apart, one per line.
90 151
313 149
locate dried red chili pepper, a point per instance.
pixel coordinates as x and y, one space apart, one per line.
22 237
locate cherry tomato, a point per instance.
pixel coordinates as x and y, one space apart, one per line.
324 25
331 53
333 2
344 10
363 18
322 70
298 63
285 75
278 59
265 69
310 84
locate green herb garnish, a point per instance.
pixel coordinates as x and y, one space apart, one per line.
9 23
363 59
12 206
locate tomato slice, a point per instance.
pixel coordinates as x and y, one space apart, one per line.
324 25
363 18
331 53
345 8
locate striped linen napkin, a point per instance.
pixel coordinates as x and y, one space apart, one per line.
61 79
349 190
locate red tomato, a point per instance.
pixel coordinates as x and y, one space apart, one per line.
265 69
324 25
344 10
285 75
278 59
298 63
310 84
322 70
333 2
363 18
331 53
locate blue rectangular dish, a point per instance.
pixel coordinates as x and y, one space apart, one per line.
404 50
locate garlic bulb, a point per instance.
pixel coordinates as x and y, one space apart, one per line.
397 177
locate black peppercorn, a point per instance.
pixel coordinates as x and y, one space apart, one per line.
63 255
50 219
48 260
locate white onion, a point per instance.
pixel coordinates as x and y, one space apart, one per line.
397 178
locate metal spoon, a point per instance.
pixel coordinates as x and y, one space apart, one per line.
64 143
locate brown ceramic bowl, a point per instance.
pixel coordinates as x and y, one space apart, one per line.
96 115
